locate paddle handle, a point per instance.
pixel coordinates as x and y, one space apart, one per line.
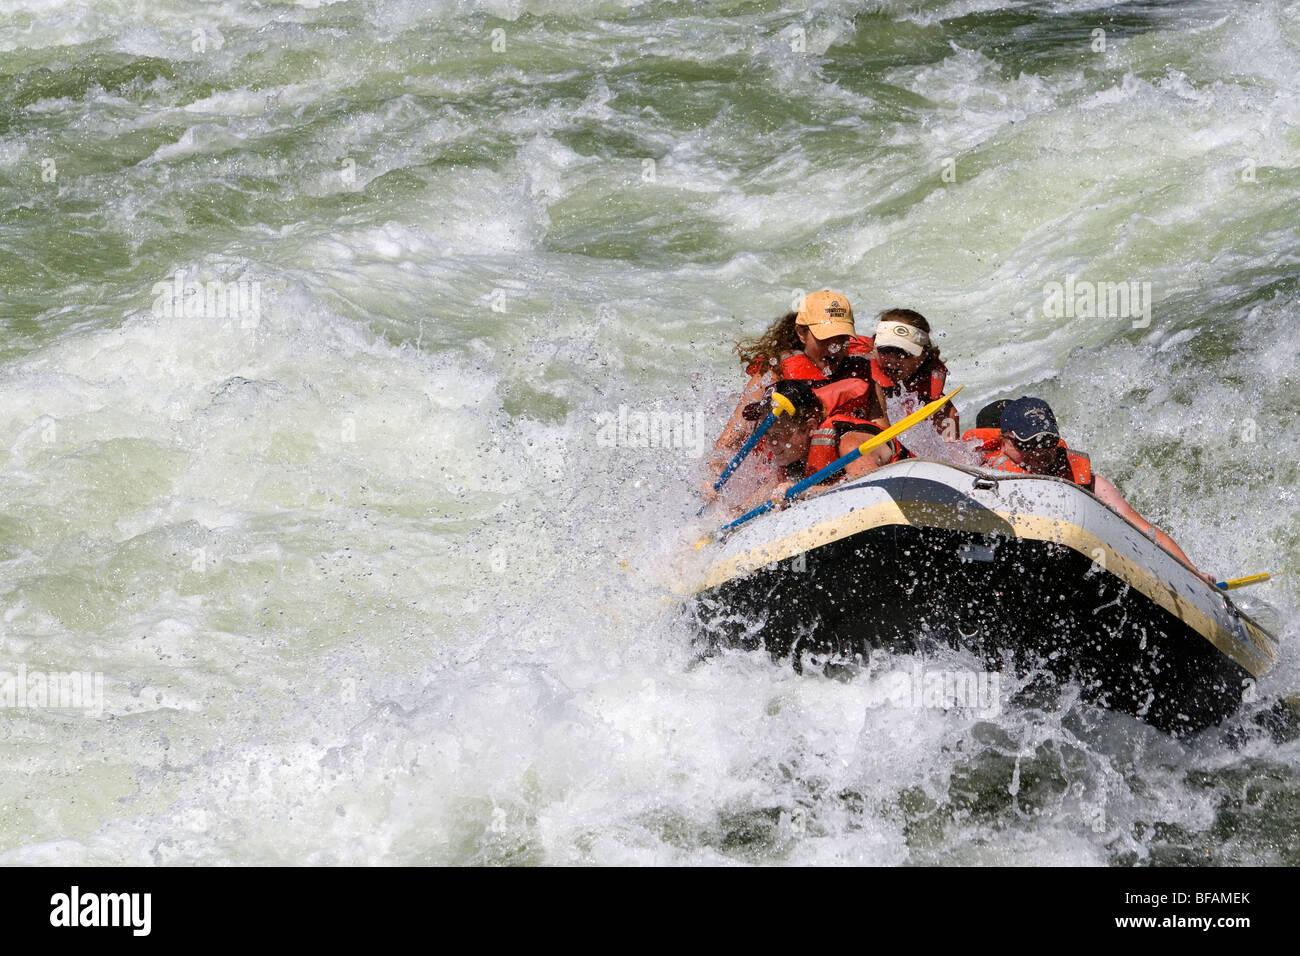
1241 582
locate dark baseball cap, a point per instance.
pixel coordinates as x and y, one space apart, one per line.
990 415
1027 419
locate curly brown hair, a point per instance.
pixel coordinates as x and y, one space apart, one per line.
917 321
766 349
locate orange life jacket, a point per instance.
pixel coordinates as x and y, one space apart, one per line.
799 366
1079 465
847 402
861 345
926 384
796 364
990 439
792 365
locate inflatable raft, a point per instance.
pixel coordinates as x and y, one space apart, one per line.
1034 569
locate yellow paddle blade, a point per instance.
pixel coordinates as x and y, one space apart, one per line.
1242 582
922 413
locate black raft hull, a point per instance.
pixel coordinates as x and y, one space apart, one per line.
1034 571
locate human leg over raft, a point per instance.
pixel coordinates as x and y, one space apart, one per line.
802 345
1031 444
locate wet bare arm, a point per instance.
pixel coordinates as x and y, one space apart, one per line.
1109 494
865 464
873 459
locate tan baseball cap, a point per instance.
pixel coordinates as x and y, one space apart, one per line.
826 314
900 335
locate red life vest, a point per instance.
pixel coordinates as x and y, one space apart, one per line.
847 403
861 345
990 439
792 365
796 364
926 383
1078 465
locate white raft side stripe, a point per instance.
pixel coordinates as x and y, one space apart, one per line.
915 469
1041 528
805 539
1035 527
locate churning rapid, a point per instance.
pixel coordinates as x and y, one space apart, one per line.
331 333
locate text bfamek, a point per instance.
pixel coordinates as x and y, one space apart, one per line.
102 909
1156 899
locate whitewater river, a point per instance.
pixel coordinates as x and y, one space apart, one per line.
341 531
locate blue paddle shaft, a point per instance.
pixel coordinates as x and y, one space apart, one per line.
745 449
795 490
762 509
839 464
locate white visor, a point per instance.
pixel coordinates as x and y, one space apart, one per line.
900 335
